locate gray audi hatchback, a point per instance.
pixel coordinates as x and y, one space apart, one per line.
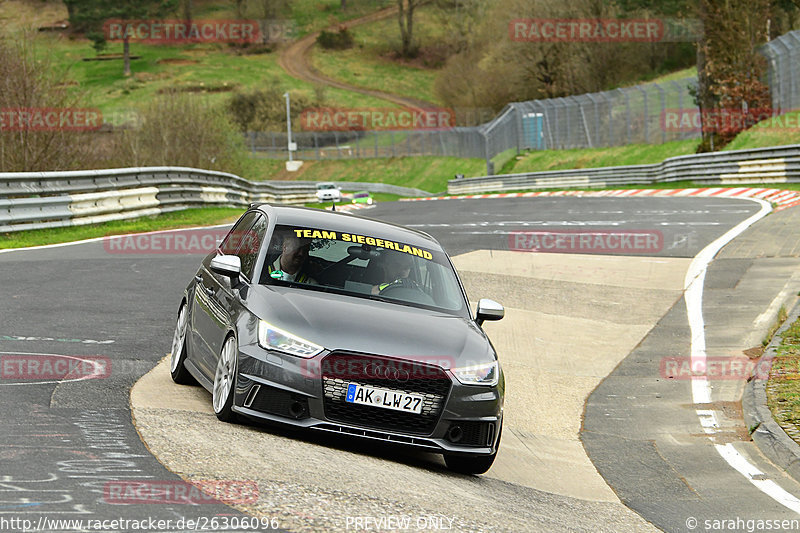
339 323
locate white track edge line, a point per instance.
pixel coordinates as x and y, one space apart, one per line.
701 389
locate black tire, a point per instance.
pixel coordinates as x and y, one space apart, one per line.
177 368
472 464
222 392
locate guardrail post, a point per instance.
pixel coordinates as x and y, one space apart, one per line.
646 116
489 166
662 115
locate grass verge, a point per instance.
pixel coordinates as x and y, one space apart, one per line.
632 154
203 216
426 173
371 63
783 387
775 131
212 71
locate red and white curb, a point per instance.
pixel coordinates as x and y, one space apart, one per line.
351 207
782 199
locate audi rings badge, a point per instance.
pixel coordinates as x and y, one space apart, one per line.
389 372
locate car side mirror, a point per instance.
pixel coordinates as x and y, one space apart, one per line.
227 265
489 310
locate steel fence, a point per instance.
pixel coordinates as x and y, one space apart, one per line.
622 116
632 115
783 55
456 142
650 113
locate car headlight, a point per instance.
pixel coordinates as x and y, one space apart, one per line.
485 374
273 338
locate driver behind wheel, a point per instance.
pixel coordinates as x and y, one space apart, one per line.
396 268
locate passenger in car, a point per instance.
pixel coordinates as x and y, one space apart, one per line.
292 264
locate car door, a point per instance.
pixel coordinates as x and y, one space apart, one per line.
210 319
228 298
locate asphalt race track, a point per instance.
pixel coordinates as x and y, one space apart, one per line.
600 439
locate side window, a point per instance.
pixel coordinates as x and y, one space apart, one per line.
251 244
233 239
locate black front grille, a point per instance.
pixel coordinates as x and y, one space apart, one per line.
429 381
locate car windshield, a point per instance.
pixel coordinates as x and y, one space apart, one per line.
324 186
362 265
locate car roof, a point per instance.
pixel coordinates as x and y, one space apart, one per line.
346 223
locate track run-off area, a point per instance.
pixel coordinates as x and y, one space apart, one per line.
604 429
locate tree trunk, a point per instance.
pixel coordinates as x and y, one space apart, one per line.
705 100
409 27
187 10
405 17
126 53
70 10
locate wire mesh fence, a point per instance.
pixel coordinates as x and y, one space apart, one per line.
639 114
783 77
651 113
456 142
623 116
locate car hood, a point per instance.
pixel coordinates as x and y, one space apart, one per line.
339 322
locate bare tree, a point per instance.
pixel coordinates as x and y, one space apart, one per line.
490 67
405 17
178 129
241 5
187 8
29 85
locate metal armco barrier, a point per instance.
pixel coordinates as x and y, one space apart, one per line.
779 164
373 187
38 200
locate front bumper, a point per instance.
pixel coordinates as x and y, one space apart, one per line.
276 387
328 197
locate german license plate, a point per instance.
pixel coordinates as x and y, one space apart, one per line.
387 399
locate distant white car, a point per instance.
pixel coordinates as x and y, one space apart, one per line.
327 191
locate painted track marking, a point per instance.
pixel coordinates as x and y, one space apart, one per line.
701 389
